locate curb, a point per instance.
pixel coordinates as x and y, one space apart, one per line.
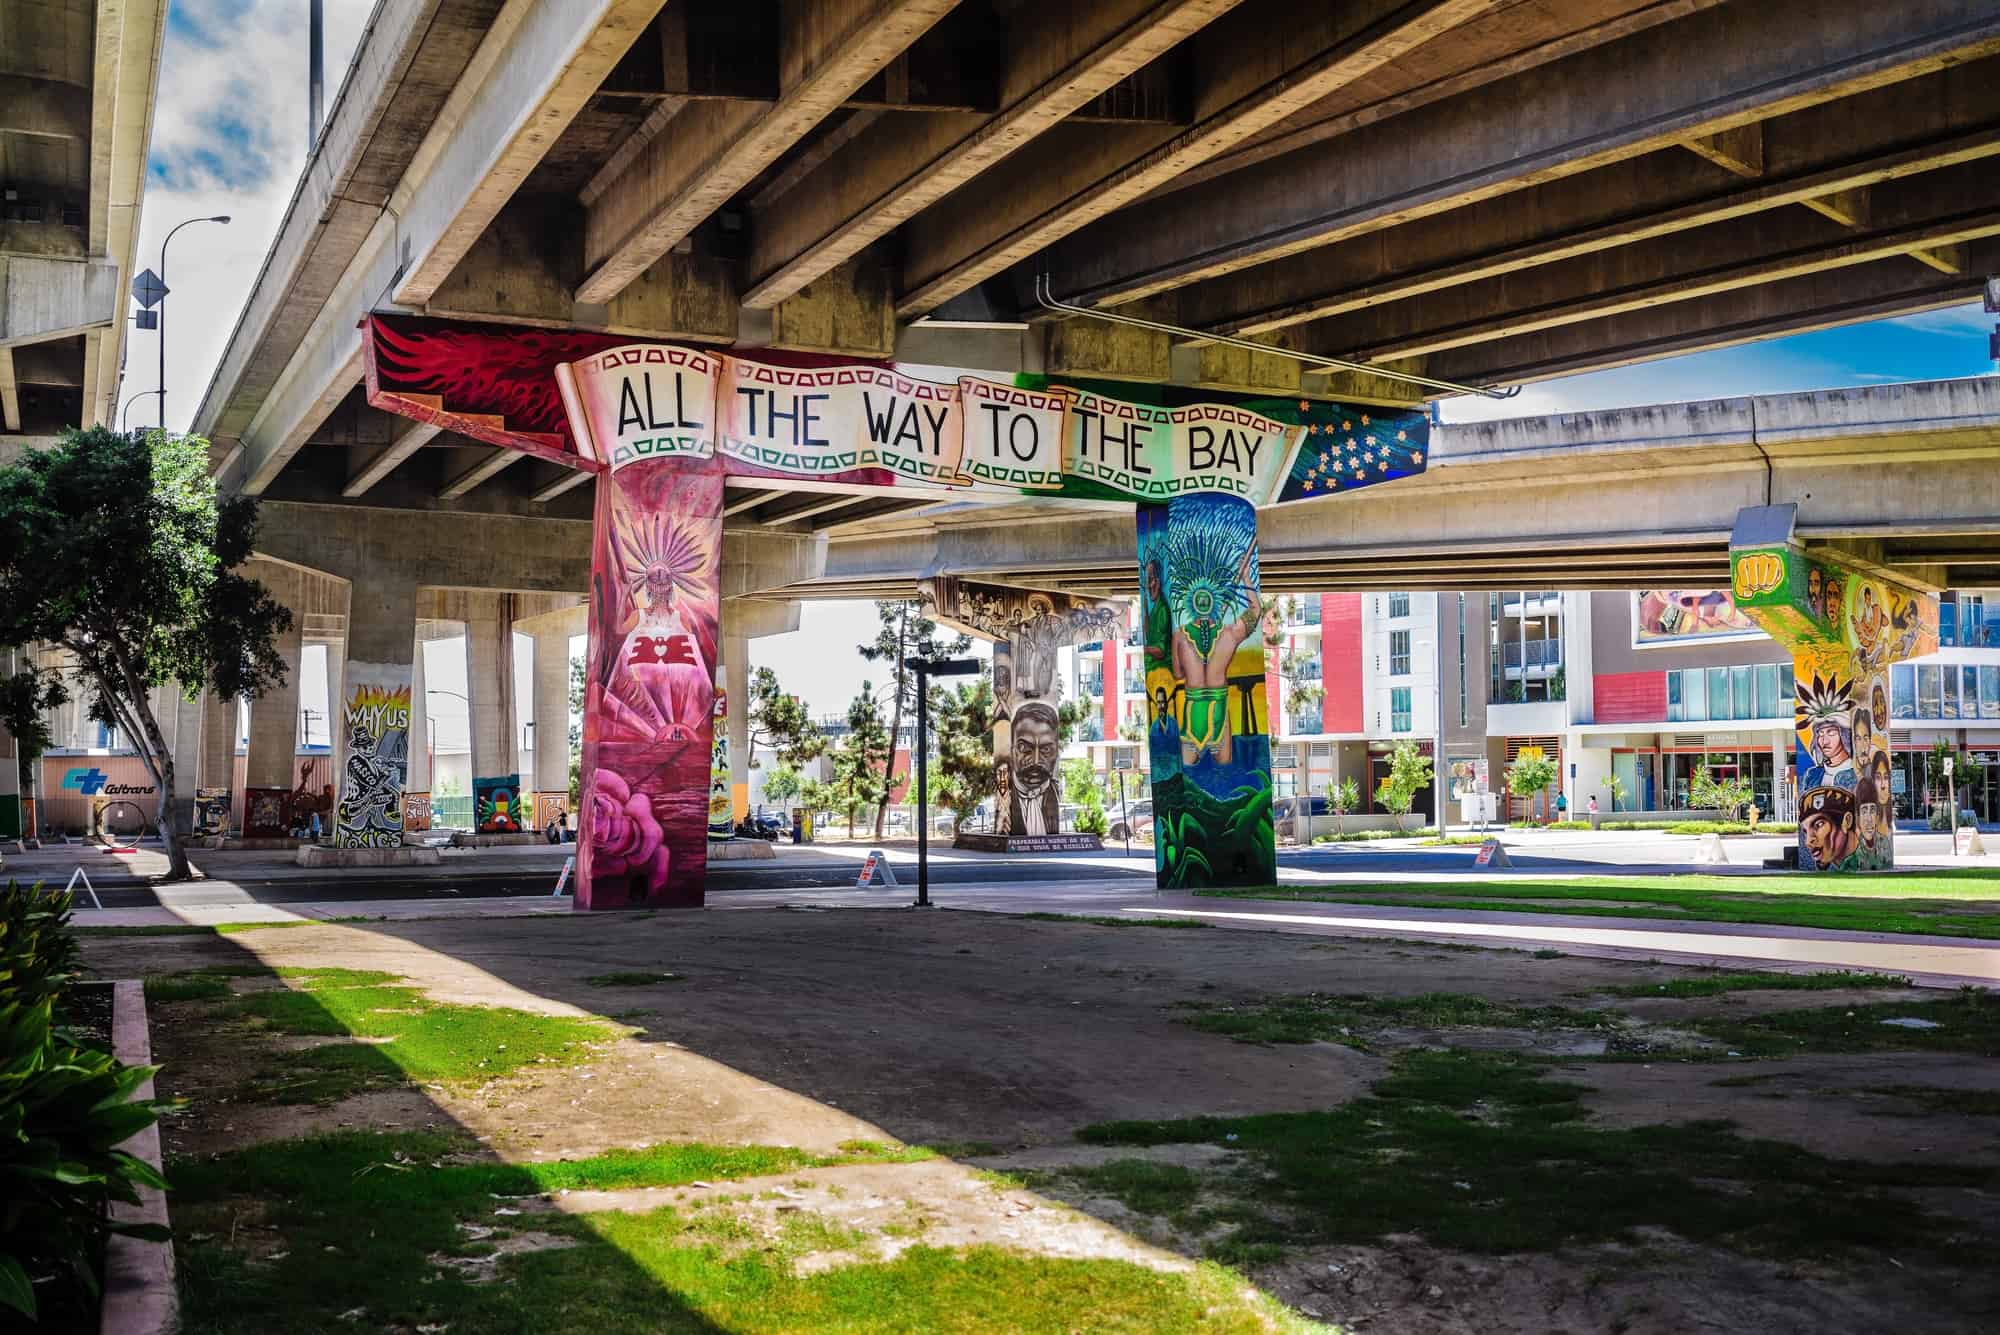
139 1293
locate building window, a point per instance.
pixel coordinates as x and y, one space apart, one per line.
1694 691
1968 693
1928 705
1718 694
1950 681
1739 690
1399 604
1399 653
1903 682
1676 710
1399 709
1989 692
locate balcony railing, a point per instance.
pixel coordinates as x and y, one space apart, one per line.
1305 669
1091 685
1544 653
1307 613
1299 725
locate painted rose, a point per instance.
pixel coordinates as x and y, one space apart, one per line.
626 839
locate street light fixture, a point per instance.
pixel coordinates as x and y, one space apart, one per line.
162 391
125 412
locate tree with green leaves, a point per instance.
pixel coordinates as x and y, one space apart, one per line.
1531 775
1344 798
1409 774
1728 796
1616 787
964 771
1085 790
25 700
782 784
905 633
861 762
116 549
781 723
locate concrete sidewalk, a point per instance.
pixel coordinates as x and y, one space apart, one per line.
1931 960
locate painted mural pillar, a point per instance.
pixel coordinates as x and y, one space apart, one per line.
1844 626
1028 628
371 731
650 684
1207 707
271 767
497 804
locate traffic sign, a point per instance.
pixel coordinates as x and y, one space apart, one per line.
149 289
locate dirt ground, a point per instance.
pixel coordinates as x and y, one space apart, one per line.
997 1038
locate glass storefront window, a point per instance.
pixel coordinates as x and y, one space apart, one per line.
1767 690
1903 682
1927 691
1739 689
1718 693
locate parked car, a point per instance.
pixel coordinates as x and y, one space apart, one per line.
1140 816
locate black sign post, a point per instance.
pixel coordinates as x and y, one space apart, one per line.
926 668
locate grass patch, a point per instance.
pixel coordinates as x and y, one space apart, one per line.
191 929
1316 1017
1454 840
364 1220
1968 1022
1946 903
1715 984
633 978
185 987
1109 920
422 1039
1938 1099
1484 1152
1150 1188
963 1149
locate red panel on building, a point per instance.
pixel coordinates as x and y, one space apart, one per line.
1340 661
1111 670
1630 697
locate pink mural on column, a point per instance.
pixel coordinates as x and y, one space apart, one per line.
650 685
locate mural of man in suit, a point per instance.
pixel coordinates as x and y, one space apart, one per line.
1035 808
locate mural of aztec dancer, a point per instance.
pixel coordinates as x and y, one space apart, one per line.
1208 718
1844 629
662 425
376 728
650 686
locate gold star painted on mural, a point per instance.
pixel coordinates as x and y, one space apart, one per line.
1416 456
1402 435
1322 456
1347 426
1364 419
1309 484
1305 405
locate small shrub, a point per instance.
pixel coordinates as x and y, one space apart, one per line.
64 1110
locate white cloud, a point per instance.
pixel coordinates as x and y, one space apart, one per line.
1953 321
229 136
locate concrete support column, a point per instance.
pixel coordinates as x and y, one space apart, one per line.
496 732
1845 626
11 816
419 771
551 781
181 721
274 716
371 734
736 665
1209 737
215 766
655 638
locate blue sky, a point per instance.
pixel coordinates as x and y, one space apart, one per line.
230 137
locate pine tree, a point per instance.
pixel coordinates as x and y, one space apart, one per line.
965 718
905 633
860 765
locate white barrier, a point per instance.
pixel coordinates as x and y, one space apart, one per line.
77 875
877 861
569 865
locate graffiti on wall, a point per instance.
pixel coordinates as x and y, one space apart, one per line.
650 685
496 804
267 813
1208 732
211 811
416 812
1677 616
375 725
1844 629
1028 627
720 811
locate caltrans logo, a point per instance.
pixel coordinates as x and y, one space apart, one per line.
89 782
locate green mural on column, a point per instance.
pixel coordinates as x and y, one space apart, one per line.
1209 733
1844 628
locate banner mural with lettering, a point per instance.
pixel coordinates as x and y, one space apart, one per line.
649 687
1208 736
375 733
1844 629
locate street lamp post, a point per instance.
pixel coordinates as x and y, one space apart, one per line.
926 668
162 391
125 412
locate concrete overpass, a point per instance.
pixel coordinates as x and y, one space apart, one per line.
77 81
1488 190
